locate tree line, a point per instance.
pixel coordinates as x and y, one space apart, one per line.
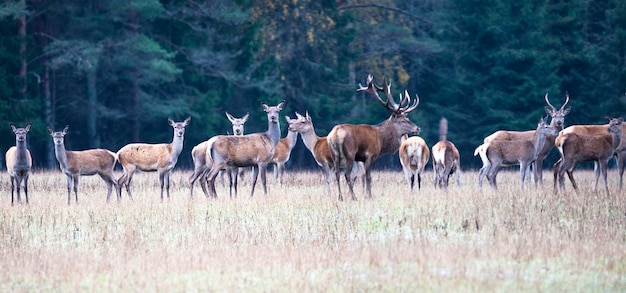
115 70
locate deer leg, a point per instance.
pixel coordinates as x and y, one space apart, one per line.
596 174
620 167
603 170
69 189
263 171
12 189
522 174
555 173
167 182
350 181
108 182
483 172
419 181
211 179
75 179
409 178
26 188
255 176
538 166
19 189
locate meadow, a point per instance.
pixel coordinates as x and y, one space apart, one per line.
298 239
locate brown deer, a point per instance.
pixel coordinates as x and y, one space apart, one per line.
19 163
576 147
557 123
152 157
414 155
282 153
79 163
318 146
198 154
251 150
365 143
446 158
517 152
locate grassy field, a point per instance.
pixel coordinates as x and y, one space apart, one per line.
296 238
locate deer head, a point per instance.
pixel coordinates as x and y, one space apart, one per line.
558 116
237 123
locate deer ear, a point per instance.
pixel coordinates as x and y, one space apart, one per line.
548 110
245 117
264 107
187 120
230 117
27 128
13 128
67 127
50 131
281 105
170 121
566 110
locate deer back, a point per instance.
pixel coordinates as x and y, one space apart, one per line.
89 162
445 153
414 153
241 151
146 156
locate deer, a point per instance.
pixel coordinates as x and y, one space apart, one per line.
557 123
251 150
578 146
318 146
19 163
446 158
364 142
152 157
198 154
414 154
83 163
522 152
282 153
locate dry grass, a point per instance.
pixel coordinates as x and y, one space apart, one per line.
298 239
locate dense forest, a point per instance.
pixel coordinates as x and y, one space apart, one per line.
115 70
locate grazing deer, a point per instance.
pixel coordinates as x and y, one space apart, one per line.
576 147
520 152
282 153
557 122
365 143
88 162
446 158
251 150
414 155
152 157
318 146
198 154
19 162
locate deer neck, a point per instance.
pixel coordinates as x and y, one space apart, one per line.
61 155
22 152
309 138
617 138
292 138
177 145
389 138
273 131
540 141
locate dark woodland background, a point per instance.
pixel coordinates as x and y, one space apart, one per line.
115 70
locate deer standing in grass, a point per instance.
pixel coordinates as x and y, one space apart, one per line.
251 150
522 152
446 158
198 154
414 155
557 122
365 143
88 162
19 163
318 146
152 157
282 153
577 146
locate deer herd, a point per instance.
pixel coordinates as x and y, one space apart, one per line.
347 147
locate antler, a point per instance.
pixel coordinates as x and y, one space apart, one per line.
407 98
566 100
373 90
548 102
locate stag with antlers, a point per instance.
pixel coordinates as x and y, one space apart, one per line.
557 123
365 143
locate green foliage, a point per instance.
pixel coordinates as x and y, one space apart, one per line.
484 65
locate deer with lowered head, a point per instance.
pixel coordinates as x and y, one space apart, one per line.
318 146
522 152
19 163
282 153
576 147
251 150
414 155
365 143
80 163
152 157
557 123
198 154
446 158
